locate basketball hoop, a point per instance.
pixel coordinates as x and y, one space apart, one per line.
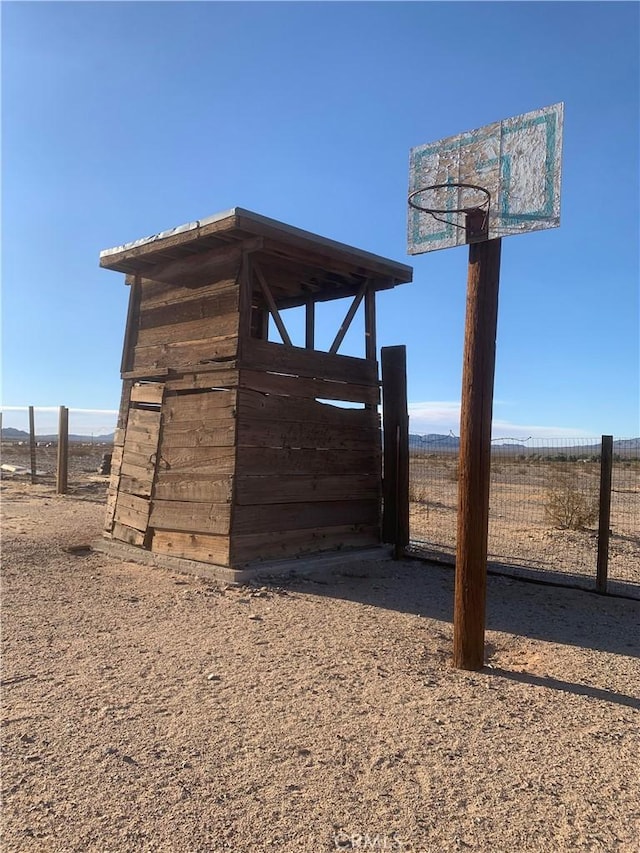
479 208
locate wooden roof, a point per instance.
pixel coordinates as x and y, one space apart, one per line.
304 264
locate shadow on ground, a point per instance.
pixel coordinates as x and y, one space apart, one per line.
553 614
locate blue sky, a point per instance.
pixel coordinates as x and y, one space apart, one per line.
123 119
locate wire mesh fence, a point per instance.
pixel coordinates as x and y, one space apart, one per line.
543 509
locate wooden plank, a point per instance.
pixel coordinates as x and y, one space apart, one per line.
198 269
131 517
116 457
148 393
302 386
194 330
202 489
135 486
134 502
297 361
194 305
143 418
272 460
143 438
195 460
185 353
285 488
203 547
112 495
207 379
253 405
305 435
191 516
262 546
211 405
123 410
118 437
300 516
127 534
138 472
145 459
199 434
145 373
143 448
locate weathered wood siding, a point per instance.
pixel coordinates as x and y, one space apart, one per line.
307 474
191 507
190 321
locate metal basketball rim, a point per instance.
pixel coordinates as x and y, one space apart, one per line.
483 206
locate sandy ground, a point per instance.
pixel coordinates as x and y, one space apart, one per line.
147 711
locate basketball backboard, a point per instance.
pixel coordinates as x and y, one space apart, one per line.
518 161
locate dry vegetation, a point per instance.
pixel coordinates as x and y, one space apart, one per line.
147 711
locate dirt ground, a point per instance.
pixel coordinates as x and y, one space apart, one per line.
147 711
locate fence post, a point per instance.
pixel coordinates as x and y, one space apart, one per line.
604 513
32 444
395 426
63 451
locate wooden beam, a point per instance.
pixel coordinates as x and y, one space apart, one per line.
310 324
344 328
370 323
273 310
131 329
244 297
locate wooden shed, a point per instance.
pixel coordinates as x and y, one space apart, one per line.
231 448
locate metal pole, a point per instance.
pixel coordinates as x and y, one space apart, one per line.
475 454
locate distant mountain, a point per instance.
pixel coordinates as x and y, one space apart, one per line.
11 434
433 441
626 445
14 434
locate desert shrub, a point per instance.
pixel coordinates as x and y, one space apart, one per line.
566 506
417 493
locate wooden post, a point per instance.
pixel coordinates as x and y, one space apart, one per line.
370 323
63 451
395 426
475 454
310 324
604 515
32 445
